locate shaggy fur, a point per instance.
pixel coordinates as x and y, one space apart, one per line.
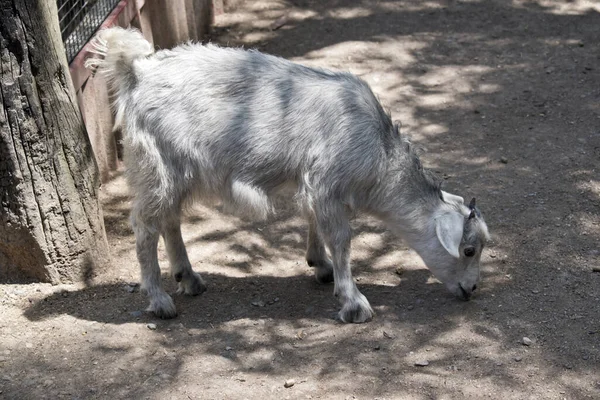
205 122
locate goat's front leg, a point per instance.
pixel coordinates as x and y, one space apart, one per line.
335 231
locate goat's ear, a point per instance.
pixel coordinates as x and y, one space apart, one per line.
452 198
449 230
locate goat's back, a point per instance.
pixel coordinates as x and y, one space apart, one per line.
208 116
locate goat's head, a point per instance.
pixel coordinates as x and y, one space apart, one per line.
454 252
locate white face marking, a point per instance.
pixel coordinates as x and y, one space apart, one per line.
453 254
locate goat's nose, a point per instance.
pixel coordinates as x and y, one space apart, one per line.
466 295
474 287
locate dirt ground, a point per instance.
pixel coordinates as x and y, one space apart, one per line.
505 97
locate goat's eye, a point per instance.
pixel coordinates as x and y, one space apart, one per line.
469 251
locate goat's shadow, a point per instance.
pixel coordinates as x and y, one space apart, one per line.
230 298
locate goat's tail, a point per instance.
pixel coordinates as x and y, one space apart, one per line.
114 51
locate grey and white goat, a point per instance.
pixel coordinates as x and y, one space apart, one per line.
205 122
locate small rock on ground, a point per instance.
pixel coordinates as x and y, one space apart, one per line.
289 383
151 326
421 363
526 341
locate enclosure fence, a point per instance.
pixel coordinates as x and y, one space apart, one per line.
79 20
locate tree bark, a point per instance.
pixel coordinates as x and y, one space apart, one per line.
51 226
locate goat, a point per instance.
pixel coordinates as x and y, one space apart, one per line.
206 122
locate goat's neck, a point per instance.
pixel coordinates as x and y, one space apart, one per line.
409 212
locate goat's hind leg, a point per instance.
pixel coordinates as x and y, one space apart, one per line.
190 282
146 236
316 255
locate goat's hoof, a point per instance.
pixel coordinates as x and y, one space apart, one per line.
191 285
163 307
323 270
356 311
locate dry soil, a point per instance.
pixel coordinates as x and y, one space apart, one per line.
505 97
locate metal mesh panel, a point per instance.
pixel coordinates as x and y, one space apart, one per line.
79 19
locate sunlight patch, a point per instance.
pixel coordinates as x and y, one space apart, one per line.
405 260
255 37
350 13
488 88
364 53
572 7
435 100
412 6
590 186
434 129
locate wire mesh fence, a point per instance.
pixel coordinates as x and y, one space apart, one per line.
79 19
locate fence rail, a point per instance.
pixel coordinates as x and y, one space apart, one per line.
79 20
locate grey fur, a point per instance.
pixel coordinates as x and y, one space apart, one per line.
205 122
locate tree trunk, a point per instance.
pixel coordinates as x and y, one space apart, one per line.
51 226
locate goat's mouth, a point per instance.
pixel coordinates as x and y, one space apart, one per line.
466 296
